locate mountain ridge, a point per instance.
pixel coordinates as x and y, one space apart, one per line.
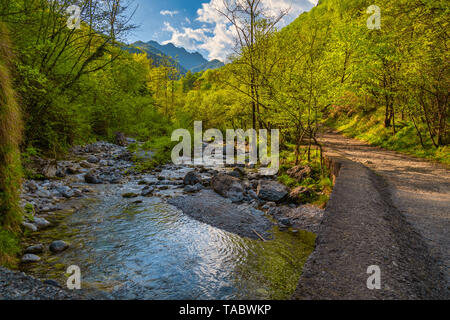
182 59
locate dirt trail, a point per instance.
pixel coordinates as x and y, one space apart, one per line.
419 189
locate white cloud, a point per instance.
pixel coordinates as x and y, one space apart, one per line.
188 38
169 13
216 36
220 45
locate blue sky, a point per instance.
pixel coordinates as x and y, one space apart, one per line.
196 25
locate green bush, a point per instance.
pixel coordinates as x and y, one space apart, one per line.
9 248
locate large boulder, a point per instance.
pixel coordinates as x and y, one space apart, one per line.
191 179
269 190
228 187
209 207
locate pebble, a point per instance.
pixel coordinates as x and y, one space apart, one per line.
41 223
30 258
30 226
39 248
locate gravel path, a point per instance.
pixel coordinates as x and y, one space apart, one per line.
419 189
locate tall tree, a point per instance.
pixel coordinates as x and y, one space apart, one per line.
252 24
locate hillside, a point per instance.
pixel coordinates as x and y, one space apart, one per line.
154 54
209 65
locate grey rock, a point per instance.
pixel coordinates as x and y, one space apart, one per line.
65 192
286 222
192 189
58 246
93 159
77 193
92 178
104 163
240 171
252 194
39 248
30 226
253 176
271 191
234 174
73 169
192 178
30 258
42 193
147 191
41 223
228 187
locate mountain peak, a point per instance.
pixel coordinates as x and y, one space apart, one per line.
193 61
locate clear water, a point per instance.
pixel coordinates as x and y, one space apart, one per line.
151 250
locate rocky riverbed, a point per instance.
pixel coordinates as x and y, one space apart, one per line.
236 202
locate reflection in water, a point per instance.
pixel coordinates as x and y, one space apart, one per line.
151 250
